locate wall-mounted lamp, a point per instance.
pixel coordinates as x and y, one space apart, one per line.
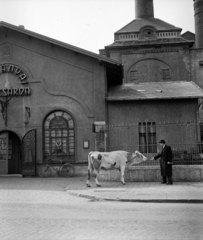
3 107
86 144
27 115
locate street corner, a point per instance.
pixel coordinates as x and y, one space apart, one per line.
99 194
88 194
178 193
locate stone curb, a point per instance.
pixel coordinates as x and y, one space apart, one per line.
93 198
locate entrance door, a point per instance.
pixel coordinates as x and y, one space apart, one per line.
29 153
3 153
14 163
10 153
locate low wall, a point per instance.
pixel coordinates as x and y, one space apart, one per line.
145 173
152 174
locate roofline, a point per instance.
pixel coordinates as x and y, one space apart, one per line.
59 43
151 44
188 32
124 26
171 29
168 30
150 98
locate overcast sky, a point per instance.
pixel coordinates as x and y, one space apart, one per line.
89 24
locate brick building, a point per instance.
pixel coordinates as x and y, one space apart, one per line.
162 86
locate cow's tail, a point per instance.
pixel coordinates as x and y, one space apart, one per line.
89 169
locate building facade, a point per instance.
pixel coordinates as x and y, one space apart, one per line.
162 86
58 102
51 95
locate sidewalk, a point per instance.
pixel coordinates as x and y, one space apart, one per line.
182 192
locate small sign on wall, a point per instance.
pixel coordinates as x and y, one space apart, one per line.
86 144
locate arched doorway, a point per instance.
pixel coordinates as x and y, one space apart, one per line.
10 149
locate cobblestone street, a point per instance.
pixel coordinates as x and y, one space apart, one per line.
34 208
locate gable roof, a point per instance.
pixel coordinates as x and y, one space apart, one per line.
58 43
154 90
188 35
137 24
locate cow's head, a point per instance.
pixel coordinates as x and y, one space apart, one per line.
138 157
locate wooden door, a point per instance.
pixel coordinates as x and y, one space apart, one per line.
14 146
4 153
29 153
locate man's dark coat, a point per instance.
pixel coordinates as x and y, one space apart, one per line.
165 156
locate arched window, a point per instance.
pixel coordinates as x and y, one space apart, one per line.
59 137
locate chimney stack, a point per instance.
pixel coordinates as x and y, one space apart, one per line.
198 13
144 9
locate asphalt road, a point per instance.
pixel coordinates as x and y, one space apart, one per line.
33 210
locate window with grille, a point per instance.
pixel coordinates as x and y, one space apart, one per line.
147 137
133 76
59 137
166 73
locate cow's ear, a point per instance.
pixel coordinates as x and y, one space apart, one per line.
99 157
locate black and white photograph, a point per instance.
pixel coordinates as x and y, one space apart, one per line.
101 119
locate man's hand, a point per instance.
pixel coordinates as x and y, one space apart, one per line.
152 159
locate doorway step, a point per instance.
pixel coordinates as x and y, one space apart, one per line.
11 175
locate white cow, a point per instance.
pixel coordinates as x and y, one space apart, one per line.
111 160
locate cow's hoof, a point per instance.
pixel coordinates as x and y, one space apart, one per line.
98 185
88 185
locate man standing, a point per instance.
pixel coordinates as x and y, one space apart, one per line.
165 162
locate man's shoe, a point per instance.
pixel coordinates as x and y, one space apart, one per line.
163 182
169 183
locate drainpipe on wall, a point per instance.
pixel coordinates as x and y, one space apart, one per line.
106 109
198 120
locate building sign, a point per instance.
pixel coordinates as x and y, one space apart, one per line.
11 68
15 91
22 76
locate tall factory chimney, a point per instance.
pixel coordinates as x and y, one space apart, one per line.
198 12
144 9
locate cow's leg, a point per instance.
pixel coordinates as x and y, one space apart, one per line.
88 177
96 180
122 172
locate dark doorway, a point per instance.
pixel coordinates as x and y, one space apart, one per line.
14 147
10 148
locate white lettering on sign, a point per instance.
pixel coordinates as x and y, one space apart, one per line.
16 91
10 68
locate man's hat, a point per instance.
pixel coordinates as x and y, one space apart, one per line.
162 141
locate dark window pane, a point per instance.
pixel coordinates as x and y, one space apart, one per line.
147 137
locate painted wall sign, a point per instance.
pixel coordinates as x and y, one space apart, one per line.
11 68
16 91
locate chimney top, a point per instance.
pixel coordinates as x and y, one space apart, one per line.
21 26
144 9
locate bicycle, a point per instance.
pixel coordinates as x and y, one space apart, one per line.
64 170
